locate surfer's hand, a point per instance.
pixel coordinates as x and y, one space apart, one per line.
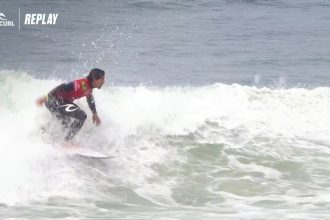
96 119
41 101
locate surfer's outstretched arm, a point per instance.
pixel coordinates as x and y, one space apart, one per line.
41 101
91 104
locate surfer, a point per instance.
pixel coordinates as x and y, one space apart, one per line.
59 102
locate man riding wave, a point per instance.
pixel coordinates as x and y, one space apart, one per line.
59 101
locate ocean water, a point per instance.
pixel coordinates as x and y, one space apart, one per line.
212 109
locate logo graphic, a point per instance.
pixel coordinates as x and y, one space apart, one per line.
4 22
69 107
83 86
40 19
2 17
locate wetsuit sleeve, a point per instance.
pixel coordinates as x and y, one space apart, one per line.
59 90
91 103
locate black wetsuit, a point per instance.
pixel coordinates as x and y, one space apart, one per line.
60 103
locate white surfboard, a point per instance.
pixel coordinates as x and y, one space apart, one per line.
85 152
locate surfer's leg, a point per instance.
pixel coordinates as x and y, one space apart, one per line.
65 111
72 111
53 106
79 119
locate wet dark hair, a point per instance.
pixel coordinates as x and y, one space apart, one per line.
95 74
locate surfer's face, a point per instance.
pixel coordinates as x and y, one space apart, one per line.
97 83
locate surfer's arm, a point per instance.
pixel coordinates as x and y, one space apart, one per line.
41 101
91 104
59 90
56 92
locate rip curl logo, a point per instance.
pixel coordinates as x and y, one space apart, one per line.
3 17
69 107
4 22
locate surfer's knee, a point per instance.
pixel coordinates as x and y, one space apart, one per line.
82 116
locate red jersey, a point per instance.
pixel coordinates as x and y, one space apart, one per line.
73 90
